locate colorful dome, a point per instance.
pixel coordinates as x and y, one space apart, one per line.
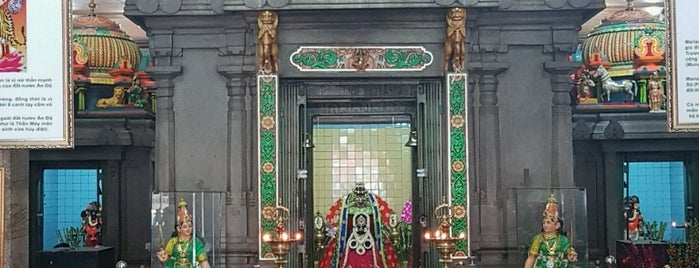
616 38
106 45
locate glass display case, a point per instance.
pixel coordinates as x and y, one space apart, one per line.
171 215
527 206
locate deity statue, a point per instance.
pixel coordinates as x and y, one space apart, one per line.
358 220
550 248
632 213
454 51
182 249
92 224
137 95
656 96
267 59
582 85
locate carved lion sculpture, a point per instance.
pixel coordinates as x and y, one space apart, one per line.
267 59
456 35
116 100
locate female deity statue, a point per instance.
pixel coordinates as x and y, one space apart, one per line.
550 248
138 96
92 224
633 215
359 242
183 248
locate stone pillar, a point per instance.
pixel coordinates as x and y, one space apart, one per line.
489 182
240 243
614 199
561 123
16 208
165 125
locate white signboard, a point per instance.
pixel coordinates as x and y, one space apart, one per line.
683 65
35 75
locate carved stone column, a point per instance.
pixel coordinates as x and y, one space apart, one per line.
16 214
489 182
561 123
240 243
165 125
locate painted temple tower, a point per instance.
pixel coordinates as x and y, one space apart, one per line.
108 68
623 64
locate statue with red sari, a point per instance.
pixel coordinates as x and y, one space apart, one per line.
359 240
92 224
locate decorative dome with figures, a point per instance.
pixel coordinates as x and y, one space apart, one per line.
624 37
104 45
623 64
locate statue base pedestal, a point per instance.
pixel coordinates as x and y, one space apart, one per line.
77 258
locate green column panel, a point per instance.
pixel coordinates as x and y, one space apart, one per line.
268 134
458 161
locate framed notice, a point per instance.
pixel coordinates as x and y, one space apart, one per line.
683 65
36 96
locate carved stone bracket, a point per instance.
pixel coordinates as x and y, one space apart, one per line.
262 3
350 59
151 6
560 80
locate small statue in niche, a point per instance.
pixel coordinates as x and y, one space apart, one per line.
92 224
267 59
583 84
138 95
656 96
454 50
632 213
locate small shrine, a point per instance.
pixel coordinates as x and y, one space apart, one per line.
623 64
108 69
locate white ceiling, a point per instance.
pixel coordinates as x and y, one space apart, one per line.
113 9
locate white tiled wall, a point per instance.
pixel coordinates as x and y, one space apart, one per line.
371 153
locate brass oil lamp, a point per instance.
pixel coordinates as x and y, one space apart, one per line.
280 242
442 238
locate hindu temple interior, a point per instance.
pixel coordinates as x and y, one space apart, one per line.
347 133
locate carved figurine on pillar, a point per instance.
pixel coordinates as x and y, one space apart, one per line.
454 52
267 60
656 96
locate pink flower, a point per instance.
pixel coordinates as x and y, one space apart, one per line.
407 214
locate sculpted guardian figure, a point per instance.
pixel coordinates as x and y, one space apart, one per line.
456 36
267 60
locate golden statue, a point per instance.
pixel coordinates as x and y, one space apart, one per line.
267 59
456 36
656 96
116 100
